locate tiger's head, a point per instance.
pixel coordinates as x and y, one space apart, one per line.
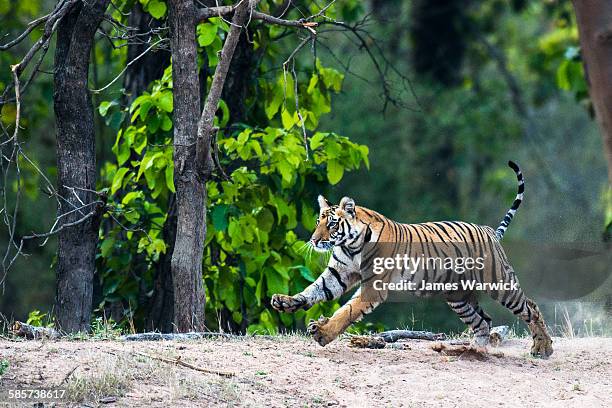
336 225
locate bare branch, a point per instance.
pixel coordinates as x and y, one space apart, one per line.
31 26
220 11
51 22
96 91
226 11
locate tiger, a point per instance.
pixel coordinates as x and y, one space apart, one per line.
353 234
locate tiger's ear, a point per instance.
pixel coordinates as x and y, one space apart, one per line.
323 203
348 206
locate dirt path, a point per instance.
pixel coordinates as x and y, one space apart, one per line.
293 371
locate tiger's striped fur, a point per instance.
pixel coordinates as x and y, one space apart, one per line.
345 229
503 226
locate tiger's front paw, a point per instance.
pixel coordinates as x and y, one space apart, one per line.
288 304
542 346
321 331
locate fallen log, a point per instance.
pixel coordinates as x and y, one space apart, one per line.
392 336
30 332
380 340
155 336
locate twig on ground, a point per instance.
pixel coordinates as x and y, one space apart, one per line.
67 376
462 351
182 363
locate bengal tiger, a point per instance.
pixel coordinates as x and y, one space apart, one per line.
346 229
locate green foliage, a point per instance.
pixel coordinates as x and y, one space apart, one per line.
561 53
140 184
155 7
39 319
253 250
105 329
255 219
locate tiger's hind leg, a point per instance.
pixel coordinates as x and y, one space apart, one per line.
474 317
516 301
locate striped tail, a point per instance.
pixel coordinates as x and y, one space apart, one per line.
503 226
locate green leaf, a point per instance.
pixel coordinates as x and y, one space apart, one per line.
276 283
309 217
118 179
277 100
286 170
164 101
225 113
306 273
107 246
157 9
335 171
170 178
265 219
314 80
140 141
154 122
147 162
207 33
316 140
144 110
219 217
287 119
105 106
131 196
166 124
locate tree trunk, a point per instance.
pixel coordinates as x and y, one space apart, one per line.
439 33
186 263
594 18
76 165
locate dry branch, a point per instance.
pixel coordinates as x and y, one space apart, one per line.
182 363
380 340
227 11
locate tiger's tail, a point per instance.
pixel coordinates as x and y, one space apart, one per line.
503 226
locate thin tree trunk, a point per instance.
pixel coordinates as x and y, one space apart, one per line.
594 19
76 164
239 78
186 263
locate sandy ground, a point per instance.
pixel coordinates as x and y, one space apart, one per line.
294 371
